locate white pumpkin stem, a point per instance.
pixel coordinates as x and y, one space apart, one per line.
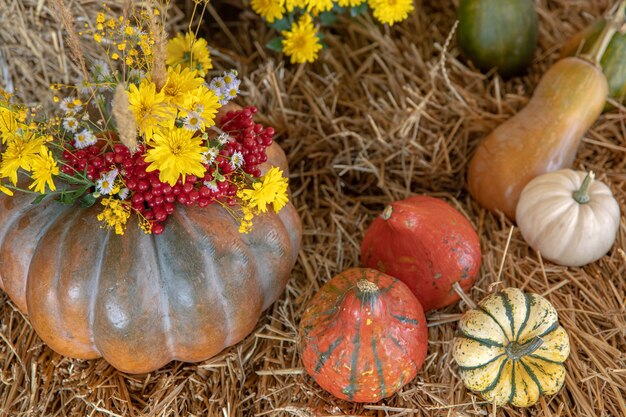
386 214
516 351
582 195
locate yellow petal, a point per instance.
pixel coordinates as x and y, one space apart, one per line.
526 391
470 353
479 379
549 375
500 394
541 318
479 325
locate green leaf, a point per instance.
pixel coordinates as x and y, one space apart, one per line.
87 200
275 44
39 199
357 10
328 18
280 25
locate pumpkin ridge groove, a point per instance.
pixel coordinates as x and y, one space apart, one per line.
404 319
496 321
379 368
472 368
508 309
485 342
498 374
532 375
513 385
523 326
326 355
91 312
532 355
351 389
165 302
550 329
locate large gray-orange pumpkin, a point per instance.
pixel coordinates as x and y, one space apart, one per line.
139 300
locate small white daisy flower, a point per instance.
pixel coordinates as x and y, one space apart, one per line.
212 185
236 160
216 85
193 121
85 87
71 105
123 194
70 124
209 156
100 70
84 138
222 138
106 182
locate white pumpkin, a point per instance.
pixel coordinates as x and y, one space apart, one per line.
568 217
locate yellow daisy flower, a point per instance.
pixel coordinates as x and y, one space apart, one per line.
301 43
203 102
43 167
176 152
350 3
271 189
180 81
189 52
391 11
149 108
318 6
20 153
290 5
269 9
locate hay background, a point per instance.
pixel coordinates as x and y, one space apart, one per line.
375 119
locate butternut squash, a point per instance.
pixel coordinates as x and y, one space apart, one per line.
543 137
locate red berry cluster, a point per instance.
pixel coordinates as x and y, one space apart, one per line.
153 199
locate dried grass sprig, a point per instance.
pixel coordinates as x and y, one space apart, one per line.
64 15
159 71
124 118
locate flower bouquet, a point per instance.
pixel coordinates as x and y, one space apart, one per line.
146 134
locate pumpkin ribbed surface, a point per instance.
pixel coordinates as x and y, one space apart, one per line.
511 349
364 335
139 300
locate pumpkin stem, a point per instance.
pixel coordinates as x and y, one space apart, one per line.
613 26
386 214
366 286
516 351
582 195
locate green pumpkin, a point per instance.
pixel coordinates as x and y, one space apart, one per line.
613 61
498 34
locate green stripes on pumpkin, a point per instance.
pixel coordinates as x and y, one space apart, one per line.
379 369
404 319
513 384
525 322
530 372
495 321
497 378
471 368
508 310
324 356
482 341
351 388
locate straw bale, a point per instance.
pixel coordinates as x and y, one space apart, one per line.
384 114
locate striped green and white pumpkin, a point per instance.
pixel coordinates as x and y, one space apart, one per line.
511 348
363 335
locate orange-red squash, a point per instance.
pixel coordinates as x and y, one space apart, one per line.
427 244
543 137
140 300
363 336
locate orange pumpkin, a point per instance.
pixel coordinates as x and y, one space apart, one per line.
140 300
364 336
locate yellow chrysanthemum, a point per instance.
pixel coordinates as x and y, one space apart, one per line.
391 11
8 123
149 107
301 43
290 5
204 102
189 52
270 10
180 81
318 6
43 166
115 214
20 153
176 152
270 190
350 3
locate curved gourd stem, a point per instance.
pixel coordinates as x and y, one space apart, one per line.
516 351
582 194
612 27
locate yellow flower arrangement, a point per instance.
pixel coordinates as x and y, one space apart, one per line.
299 21
138 132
